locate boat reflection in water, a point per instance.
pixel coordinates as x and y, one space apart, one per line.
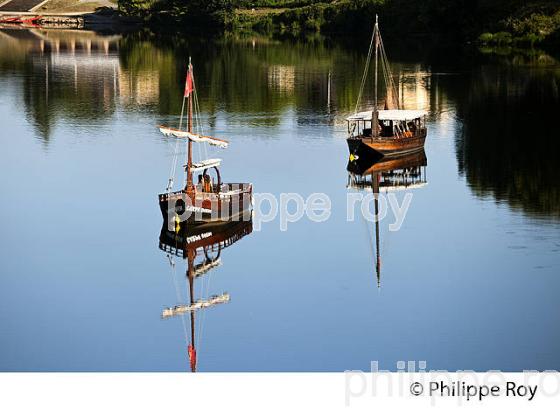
385 175
201 246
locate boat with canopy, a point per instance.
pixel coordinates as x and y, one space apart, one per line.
209 200
391 131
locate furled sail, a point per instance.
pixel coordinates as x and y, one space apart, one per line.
205 164
199 304
193 137
202 268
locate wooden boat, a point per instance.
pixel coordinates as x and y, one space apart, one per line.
201 246
33 21
392 131
209 200
384 175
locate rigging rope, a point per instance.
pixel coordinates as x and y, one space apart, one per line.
199 120
178 294
364 76
205 293
173 170
386 68
390 83
198 127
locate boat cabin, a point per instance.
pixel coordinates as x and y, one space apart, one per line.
208 185
390 124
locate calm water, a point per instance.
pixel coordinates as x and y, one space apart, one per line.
470 281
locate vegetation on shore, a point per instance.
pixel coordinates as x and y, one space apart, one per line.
488 22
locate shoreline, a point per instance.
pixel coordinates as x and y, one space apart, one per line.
93 20
272 22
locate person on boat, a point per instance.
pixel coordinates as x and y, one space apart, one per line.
207 184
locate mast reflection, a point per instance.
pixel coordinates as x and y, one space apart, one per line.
384 175
201 246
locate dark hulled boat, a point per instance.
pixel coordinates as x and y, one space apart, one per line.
209 200
393 172
400 132
208 237
385 132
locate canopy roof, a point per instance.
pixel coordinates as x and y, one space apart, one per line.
205 164
395 115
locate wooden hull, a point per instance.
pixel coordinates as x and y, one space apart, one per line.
197 236
386 146
389 173
388 163
206 208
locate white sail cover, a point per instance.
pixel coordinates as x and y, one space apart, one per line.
201 270
385 115
193 137
205 164
387 188
196 305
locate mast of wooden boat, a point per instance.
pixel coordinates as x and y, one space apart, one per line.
189 185
191 254
375 114
375 187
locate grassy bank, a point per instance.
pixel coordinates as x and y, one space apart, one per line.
488 22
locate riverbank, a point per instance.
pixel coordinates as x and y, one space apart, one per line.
57 6
489 22
65 14
494 22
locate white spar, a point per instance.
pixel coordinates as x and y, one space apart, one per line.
199 304
193 137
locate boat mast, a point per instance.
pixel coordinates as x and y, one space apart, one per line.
191 254
189 184
375 114
375 186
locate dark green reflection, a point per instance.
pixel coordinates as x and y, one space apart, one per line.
509 145
507 108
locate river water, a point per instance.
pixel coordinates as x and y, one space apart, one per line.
469 281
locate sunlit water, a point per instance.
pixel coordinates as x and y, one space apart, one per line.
470 281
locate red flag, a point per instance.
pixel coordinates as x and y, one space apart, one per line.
192 357
189 84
